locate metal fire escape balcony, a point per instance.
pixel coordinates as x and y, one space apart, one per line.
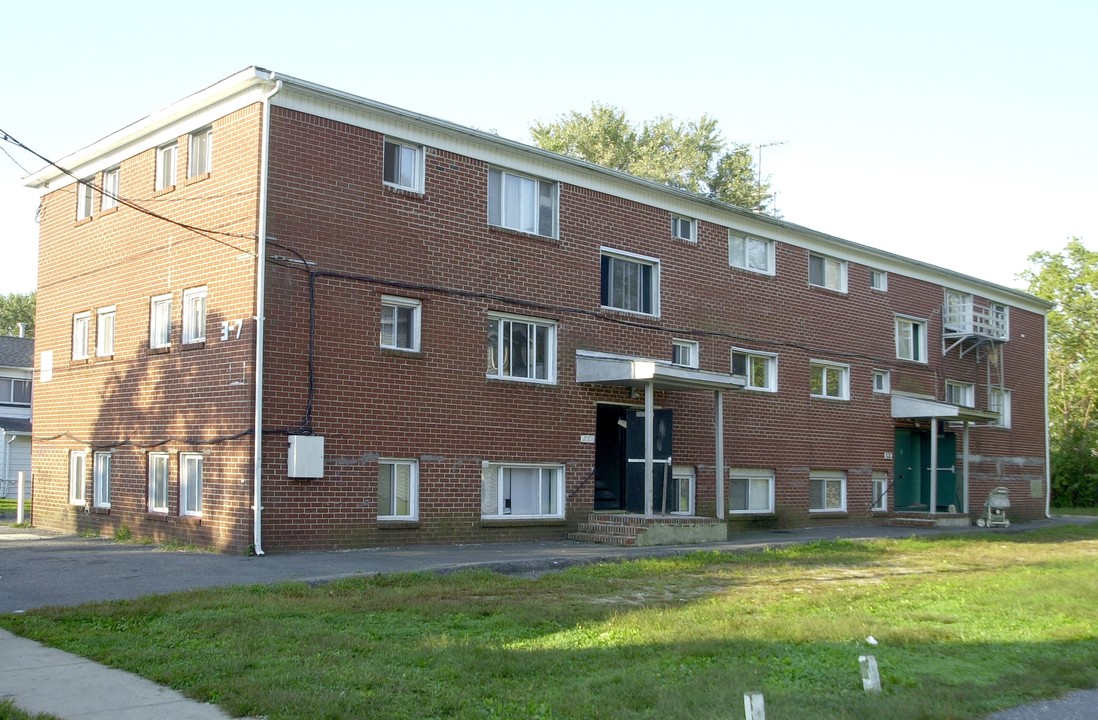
971 325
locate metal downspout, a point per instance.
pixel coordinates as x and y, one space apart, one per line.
260 325
1048 450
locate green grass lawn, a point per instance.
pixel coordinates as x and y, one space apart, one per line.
965 625
1075 511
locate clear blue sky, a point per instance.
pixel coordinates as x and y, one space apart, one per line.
959 132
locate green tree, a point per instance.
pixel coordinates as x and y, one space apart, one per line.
17 308
1069 279
689 155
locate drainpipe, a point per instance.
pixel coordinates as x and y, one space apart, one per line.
260 324
1048 451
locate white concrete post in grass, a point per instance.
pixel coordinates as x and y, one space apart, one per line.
754 708
871 678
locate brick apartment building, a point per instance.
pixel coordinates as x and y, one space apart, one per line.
281 316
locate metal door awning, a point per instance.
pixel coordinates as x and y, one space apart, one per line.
629 371
908 407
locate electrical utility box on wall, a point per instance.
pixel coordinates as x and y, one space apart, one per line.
305 458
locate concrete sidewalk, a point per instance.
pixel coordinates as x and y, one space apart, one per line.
39 569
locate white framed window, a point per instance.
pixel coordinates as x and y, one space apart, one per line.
522 348
104 331
521 490
190 484
522 203
751 491
85 196
630 282
829 380
878 280
684 228
911 339
80 323
680 490
78 468
827 272
165 166
958 311
400 323
684 353
827 491
14 391
397 490
194 315
200 153
960 393
998 401
403 166
748 253
160 321
158 482
110 188
101 479
882 381
879 488
760 369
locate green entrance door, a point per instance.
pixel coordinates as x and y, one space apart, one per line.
911 468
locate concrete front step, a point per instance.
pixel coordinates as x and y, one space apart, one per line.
625 529
603 538
600 528
929 521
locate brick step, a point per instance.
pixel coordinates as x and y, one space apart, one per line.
604 538
622 519
918 522
611 528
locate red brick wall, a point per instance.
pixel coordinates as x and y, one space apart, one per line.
139 401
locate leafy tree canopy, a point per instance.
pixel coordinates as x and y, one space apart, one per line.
689 155
17 308
1069 279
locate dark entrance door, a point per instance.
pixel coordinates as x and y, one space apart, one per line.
911 468
619 458
661 453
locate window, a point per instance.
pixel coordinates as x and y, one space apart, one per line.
826 491
958 312
14 391
522 203
911 339
680 490
999 402
160 322
194 315
158 482
630 282
403 166
397 490
960 393
751 491
514 491
78 460
85 195
684 228
750 253
880 492
760 369
522 349
829 380
882 381
101 480
104 332
165 167
827 272
685 353
200 153
878 280
80 335
400 322
110 188
190 484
